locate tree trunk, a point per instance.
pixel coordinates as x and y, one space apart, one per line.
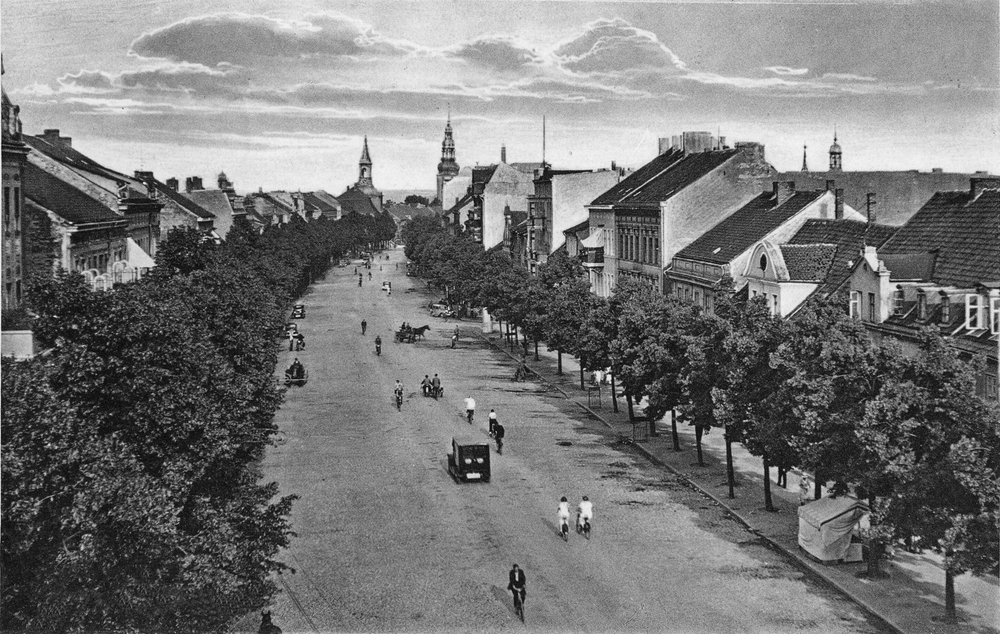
652 427
768 502
949 591
582 386
875 548
631 412
818 491
614 396
673 430
730 476
536 349
698 431
559 364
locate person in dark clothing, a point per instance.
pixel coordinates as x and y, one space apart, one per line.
364 326
436 386
517 581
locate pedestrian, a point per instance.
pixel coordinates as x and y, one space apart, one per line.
493 421
397 266
436 386
359 281
364 326
355 270
291 339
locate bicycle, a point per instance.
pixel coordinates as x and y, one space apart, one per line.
399 401
519 602
564 528
584 527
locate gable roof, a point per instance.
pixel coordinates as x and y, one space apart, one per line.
964 230
64 200
752 222
319 203
909 266
849 237
663 177
69 156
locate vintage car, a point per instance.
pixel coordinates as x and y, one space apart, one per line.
291 327
386 286
469 460
299 311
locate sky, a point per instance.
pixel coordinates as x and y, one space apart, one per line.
280 94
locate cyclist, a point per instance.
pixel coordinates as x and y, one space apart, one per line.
425 385
378 345
493 421
584 513
470 408
398 391
563 517
516 584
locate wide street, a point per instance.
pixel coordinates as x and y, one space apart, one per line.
387 541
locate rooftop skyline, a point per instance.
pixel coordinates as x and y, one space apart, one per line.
281 94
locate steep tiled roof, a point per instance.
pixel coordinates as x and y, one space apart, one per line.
465 200
187 204
663 177
71 157
213 201
849 236
576 229
964 231
356 201
747 225
61 198
808 262
320 204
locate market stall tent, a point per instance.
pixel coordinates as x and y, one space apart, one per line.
827 525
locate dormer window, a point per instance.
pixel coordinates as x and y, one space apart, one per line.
945 308
897 301
973 310
921 305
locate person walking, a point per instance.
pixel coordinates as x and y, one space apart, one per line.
436 386
291 340
493 421
364 326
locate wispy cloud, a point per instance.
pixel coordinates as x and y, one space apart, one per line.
785 70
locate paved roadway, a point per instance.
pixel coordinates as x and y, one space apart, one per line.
387 541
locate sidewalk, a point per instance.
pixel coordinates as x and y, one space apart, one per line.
910 600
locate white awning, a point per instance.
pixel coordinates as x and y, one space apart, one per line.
594 241
137 258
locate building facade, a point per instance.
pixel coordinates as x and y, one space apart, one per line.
14 158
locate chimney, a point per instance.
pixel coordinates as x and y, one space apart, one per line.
978 185
614 166
870 205
838 204
937 170
503 153
51 136
192 184
146 178
172 183
722 143
830 184
783 190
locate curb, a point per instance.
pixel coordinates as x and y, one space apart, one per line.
794 557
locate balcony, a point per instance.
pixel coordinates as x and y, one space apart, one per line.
593 258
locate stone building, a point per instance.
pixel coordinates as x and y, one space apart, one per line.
365 186
14 158
667 204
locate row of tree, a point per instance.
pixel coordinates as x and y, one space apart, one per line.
132 499
906 432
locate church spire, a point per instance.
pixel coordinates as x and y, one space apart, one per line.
365 159
448 167
836 162
805 166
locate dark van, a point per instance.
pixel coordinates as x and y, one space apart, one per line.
469 460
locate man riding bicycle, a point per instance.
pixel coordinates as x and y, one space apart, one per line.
425 385
563 513
470 408
378 344
516 584
584 512
398 392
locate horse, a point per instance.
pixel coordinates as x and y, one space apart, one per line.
419 332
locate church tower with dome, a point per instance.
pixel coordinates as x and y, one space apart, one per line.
835 158
448 167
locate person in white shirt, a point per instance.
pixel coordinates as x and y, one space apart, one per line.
470 408
563 513
584 512
493 420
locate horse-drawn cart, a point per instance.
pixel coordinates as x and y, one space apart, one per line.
410 335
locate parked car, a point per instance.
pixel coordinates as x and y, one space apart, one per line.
299 311
469 460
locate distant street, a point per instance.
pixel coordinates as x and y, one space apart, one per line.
387 541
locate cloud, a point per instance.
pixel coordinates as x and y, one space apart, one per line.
615 47
785 70
847 77
496 52
235 38
185 78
